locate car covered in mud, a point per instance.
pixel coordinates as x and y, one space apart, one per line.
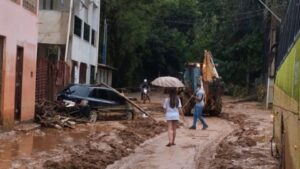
101 102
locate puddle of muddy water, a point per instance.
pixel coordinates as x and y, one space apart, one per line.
35 142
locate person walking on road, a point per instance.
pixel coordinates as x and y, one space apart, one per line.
200 96
172 106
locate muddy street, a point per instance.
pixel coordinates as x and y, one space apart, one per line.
237 139
248 146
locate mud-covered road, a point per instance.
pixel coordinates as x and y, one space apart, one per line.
190 144
237 139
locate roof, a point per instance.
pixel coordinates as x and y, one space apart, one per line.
195 64
104 66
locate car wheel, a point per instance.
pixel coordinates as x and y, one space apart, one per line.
129 115
93 117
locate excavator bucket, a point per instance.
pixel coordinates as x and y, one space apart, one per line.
208 68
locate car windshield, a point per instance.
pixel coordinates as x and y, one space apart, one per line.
77 90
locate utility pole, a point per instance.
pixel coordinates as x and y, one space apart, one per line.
104 47
271 53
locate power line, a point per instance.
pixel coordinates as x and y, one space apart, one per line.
251 14
277 17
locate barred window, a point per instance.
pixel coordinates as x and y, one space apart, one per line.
77 26
30 5
86 35
93 40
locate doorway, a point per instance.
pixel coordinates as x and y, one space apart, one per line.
1 63
92 75
82 73
18 86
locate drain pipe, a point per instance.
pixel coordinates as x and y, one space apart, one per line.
69 28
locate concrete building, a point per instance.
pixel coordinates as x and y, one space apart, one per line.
18 48
104 74
68 44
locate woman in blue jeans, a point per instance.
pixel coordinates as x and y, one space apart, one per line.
200 94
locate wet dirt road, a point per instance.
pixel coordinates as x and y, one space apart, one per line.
184 155
248 146
237 139
190 144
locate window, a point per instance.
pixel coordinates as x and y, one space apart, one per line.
77 90
92 75
86 35
100 94
77 26
93 40
43 3
107 95
51 4
115 97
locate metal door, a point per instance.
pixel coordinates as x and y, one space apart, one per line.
18 85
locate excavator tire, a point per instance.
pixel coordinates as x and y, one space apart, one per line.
217 108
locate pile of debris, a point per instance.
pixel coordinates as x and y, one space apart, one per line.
56 114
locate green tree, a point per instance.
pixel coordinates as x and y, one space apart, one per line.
149 38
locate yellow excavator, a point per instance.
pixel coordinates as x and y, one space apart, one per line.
206 74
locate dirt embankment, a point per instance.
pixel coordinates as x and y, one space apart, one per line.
248 146
104 148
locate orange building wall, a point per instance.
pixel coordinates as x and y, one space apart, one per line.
20 28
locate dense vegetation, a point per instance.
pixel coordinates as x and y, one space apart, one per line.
150 38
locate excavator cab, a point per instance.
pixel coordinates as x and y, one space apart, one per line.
207 75
192 75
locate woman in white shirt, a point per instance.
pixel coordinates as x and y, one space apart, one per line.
172 106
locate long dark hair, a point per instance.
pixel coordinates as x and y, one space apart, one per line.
173 98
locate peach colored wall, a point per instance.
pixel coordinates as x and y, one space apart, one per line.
20 28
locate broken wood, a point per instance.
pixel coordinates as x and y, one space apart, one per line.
56 115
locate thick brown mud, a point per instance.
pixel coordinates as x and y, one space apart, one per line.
103 148
30 149
248 146
240 139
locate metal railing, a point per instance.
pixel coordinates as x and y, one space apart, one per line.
289 31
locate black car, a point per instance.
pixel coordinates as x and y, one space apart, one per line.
105 101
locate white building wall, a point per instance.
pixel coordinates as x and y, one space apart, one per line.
53 29
83 51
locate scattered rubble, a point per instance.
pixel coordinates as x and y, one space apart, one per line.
104 148
55 114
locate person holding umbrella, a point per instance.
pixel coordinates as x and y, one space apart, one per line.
172 104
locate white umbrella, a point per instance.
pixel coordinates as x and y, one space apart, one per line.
167 81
